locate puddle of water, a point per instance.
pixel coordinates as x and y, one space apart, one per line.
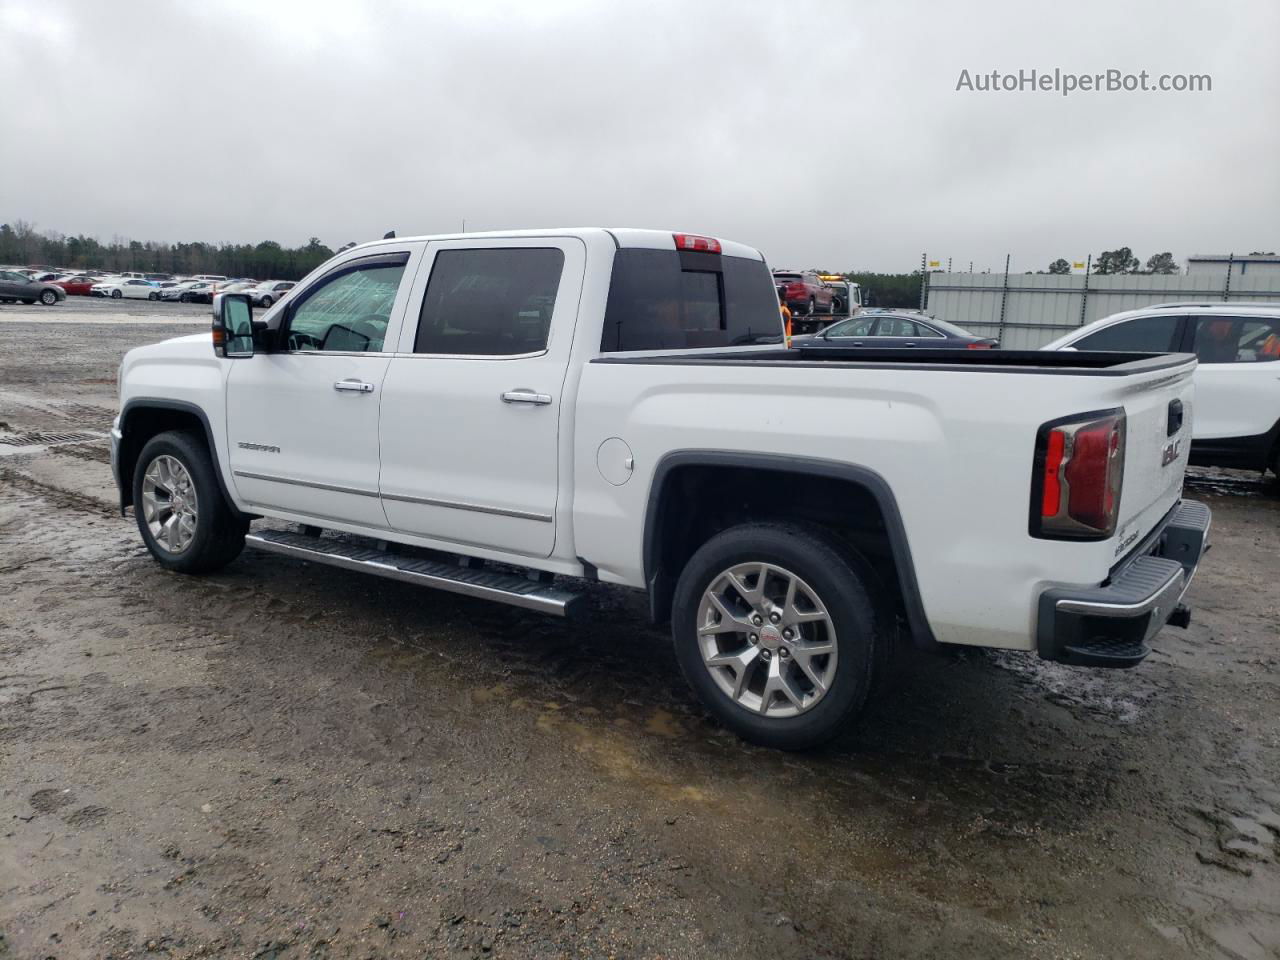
1230 484
1074 687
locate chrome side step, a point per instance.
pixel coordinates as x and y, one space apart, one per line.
470 581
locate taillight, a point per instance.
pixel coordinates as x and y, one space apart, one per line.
1079 470
977 345
688 241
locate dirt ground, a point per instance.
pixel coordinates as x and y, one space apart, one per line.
285 760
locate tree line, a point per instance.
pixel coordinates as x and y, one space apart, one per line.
1122 260
22 244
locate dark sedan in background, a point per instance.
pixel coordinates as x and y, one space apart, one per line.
18 286
894 328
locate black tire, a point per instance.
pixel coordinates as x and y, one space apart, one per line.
838 576
266 303
811 309
28 302
220 528
48 298
183 298
116 294
153 295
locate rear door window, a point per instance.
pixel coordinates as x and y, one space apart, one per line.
668 299
489 302
1140 335
1237 339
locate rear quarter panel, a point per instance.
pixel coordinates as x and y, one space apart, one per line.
955 446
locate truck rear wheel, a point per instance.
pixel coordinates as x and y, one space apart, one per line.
182 515
776 633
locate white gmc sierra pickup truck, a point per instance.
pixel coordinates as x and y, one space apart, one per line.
485 413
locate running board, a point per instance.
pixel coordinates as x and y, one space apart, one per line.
506 588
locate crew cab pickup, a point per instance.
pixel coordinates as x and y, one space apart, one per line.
506 415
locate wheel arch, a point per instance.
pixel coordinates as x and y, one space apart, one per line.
143 418
676 522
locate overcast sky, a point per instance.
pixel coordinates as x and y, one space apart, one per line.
827 134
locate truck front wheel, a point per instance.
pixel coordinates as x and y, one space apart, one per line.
184 520
776 633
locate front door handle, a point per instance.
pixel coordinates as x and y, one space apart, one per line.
526 396
353 386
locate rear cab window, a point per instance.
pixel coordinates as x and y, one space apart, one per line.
683 299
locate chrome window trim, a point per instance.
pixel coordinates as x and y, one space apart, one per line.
412 356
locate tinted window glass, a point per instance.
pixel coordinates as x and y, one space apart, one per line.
1141 335
489 302
1237 340
851 328
902 327
349 312
664 299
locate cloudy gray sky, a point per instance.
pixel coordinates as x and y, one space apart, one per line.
828 134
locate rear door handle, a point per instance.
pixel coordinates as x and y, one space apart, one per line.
353 386
526 396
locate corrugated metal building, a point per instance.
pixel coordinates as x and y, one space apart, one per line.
1026 311
1217 265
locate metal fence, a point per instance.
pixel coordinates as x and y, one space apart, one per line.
1026 311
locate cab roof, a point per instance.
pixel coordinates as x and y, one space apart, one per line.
622 237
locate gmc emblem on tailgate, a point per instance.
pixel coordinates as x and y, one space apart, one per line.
1170 453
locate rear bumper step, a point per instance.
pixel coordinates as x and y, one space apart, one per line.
508 588
1109 626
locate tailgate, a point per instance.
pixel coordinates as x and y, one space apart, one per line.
1158 415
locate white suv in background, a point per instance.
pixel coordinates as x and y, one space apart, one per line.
1237 401
268 292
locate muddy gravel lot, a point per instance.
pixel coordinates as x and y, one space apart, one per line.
285 760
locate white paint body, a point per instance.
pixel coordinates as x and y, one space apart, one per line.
557 487
1232 399
130 288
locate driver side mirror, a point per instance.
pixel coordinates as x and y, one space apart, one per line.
233 325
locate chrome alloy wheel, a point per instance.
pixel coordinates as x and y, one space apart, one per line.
169 504
767 640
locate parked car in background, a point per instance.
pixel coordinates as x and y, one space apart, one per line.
158 277
804 292
209 277
192 291
206 292
894 328
1237 401
129 288
269 291
176 290
77 284
19 286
